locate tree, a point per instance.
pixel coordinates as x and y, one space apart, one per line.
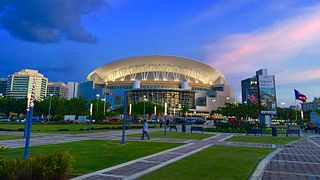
98 110
10 105
240 111
138 108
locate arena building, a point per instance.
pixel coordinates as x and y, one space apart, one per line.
177 81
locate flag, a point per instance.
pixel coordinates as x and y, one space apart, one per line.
252 98
299 96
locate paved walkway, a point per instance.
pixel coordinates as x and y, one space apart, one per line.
300 160
62 138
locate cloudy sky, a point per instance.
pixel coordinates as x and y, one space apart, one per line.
65 40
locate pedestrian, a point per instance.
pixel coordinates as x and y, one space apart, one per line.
168 123
161 122
145 130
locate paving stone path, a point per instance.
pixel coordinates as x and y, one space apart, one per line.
62 138
300 160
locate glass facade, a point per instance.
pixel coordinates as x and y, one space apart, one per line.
248 85
173 97
20 84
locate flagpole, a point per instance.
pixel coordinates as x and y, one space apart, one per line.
295 103
296 110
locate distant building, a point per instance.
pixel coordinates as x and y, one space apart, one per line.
176 81
311 106
3 86
57 89
249 85
262 86
73 88
20 84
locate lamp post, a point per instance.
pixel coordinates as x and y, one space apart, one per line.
228 98
155 116
28 122
97 95
49 111
283 111
124 117
91 105
165 119
144 106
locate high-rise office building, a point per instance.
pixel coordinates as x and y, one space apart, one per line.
20 84
72 90
3 86
247 86
57 89
262 86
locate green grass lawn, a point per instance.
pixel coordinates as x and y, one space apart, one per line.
93 155
9 137
264 139
217 162
173 134
62 128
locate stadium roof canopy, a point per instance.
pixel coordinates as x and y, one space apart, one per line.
157 68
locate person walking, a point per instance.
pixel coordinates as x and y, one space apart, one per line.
161 122
145 130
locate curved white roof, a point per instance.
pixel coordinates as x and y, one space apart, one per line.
157 67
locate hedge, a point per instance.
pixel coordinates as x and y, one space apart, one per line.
52 166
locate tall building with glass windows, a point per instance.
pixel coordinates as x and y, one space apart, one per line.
177 81
73 88
262 86
19 84
3 86
247 86
57 89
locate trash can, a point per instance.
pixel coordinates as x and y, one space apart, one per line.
184 128
274 131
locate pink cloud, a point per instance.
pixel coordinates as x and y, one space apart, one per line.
247 52
287 77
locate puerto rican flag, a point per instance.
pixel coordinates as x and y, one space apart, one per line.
299 96
252 98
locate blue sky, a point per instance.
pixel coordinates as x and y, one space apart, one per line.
65 40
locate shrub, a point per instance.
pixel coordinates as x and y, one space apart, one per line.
3 148
53 166
20 129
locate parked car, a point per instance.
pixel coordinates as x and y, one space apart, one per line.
179 120
135 120
191 120
21 120
4 119
35 120
114 120
199 121
153 120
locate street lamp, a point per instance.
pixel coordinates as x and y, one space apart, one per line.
283 111
104 106
165 119
49 111
144 106
97 95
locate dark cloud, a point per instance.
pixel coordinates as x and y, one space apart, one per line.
57 69
47 21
